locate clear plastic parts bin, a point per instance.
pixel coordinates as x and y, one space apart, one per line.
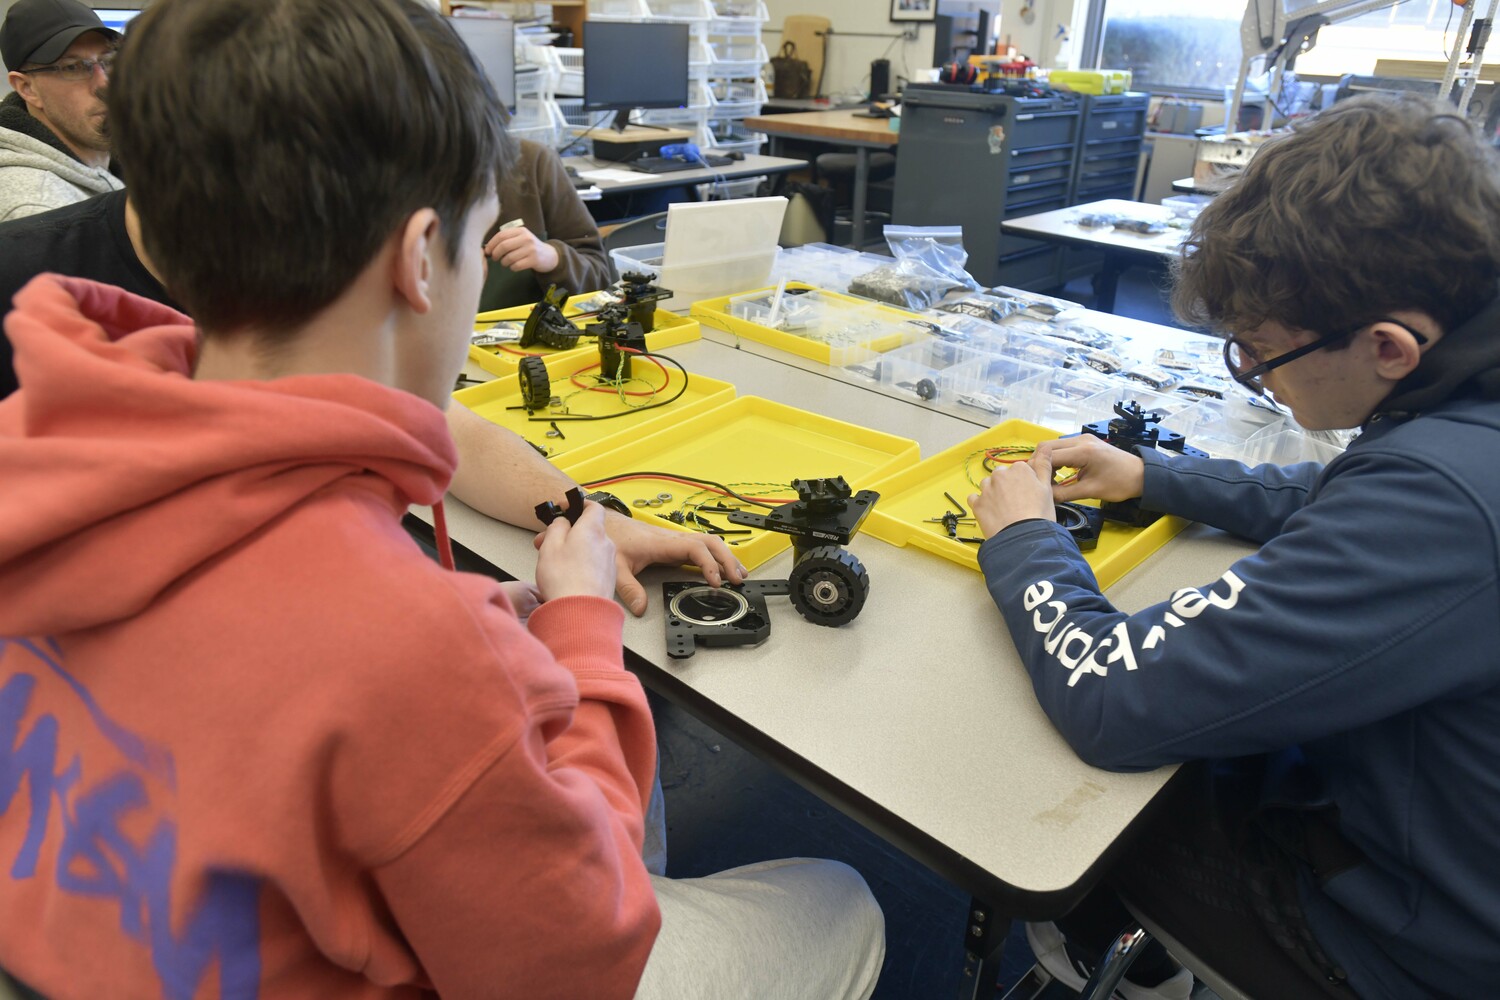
693 282
928 371
1224 427
850 331
990 386
1288 447
1060 399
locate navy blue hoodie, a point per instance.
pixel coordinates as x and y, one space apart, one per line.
1365 630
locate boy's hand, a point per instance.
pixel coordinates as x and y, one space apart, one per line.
1014 493
638 545
524 597
576 559
1104 471
519 250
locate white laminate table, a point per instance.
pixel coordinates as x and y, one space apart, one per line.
917 719
1121 248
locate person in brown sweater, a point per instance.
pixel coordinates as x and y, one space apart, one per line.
557 243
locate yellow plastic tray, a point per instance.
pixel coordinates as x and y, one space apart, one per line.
670 330
499 402
745 440
910 497
716 312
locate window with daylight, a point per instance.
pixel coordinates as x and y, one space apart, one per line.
1194 45
1173 45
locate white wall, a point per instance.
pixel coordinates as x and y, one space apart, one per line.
1039 38
847 67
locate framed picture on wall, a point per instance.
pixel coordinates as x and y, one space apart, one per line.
913 10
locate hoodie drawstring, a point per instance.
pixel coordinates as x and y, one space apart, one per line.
440 530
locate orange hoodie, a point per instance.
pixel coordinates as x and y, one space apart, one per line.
253 742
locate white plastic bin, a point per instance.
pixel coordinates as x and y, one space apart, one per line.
570 64
680 10
604 10
751 11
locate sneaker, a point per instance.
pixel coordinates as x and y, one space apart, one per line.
1064 964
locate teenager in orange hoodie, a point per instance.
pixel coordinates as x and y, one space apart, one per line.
252 741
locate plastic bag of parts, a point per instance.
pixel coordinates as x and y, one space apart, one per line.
929 266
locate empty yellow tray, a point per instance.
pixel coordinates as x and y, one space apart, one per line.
670 330
749 441
906 328
908 498
499 401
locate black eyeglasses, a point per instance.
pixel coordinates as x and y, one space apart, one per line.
1247 369
76 70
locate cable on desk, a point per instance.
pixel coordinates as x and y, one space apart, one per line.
767 502
650 355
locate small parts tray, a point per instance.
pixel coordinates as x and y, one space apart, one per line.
816 324
499 401
505 359
750 441
910 497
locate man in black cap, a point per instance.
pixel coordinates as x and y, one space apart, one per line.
54 132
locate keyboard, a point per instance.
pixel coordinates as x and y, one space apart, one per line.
662 165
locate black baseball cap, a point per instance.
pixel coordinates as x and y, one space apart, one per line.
40 31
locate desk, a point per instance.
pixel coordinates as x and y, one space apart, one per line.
752 165
1120 249
789 105
917 719
840 128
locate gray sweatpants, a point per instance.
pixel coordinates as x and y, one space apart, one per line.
795 929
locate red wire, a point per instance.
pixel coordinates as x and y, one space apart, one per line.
524 354
686 482
440 532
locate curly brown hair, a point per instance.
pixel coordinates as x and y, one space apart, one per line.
1381 203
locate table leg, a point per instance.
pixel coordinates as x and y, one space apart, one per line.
861 192
984 941
1107 281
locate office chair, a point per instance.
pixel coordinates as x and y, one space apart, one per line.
1113 965
839 168
637 232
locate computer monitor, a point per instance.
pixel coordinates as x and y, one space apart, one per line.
628 66
492 40
115 17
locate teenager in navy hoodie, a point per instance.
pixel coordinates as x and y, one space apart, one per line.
1344 679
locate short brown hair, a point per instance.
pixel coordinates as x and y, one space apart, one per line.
273 146
1380 203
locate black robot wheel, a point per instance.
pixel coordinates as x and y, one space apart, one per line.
829 585
536 387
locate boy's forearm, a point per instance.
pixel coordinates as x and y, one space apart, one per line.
498 473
